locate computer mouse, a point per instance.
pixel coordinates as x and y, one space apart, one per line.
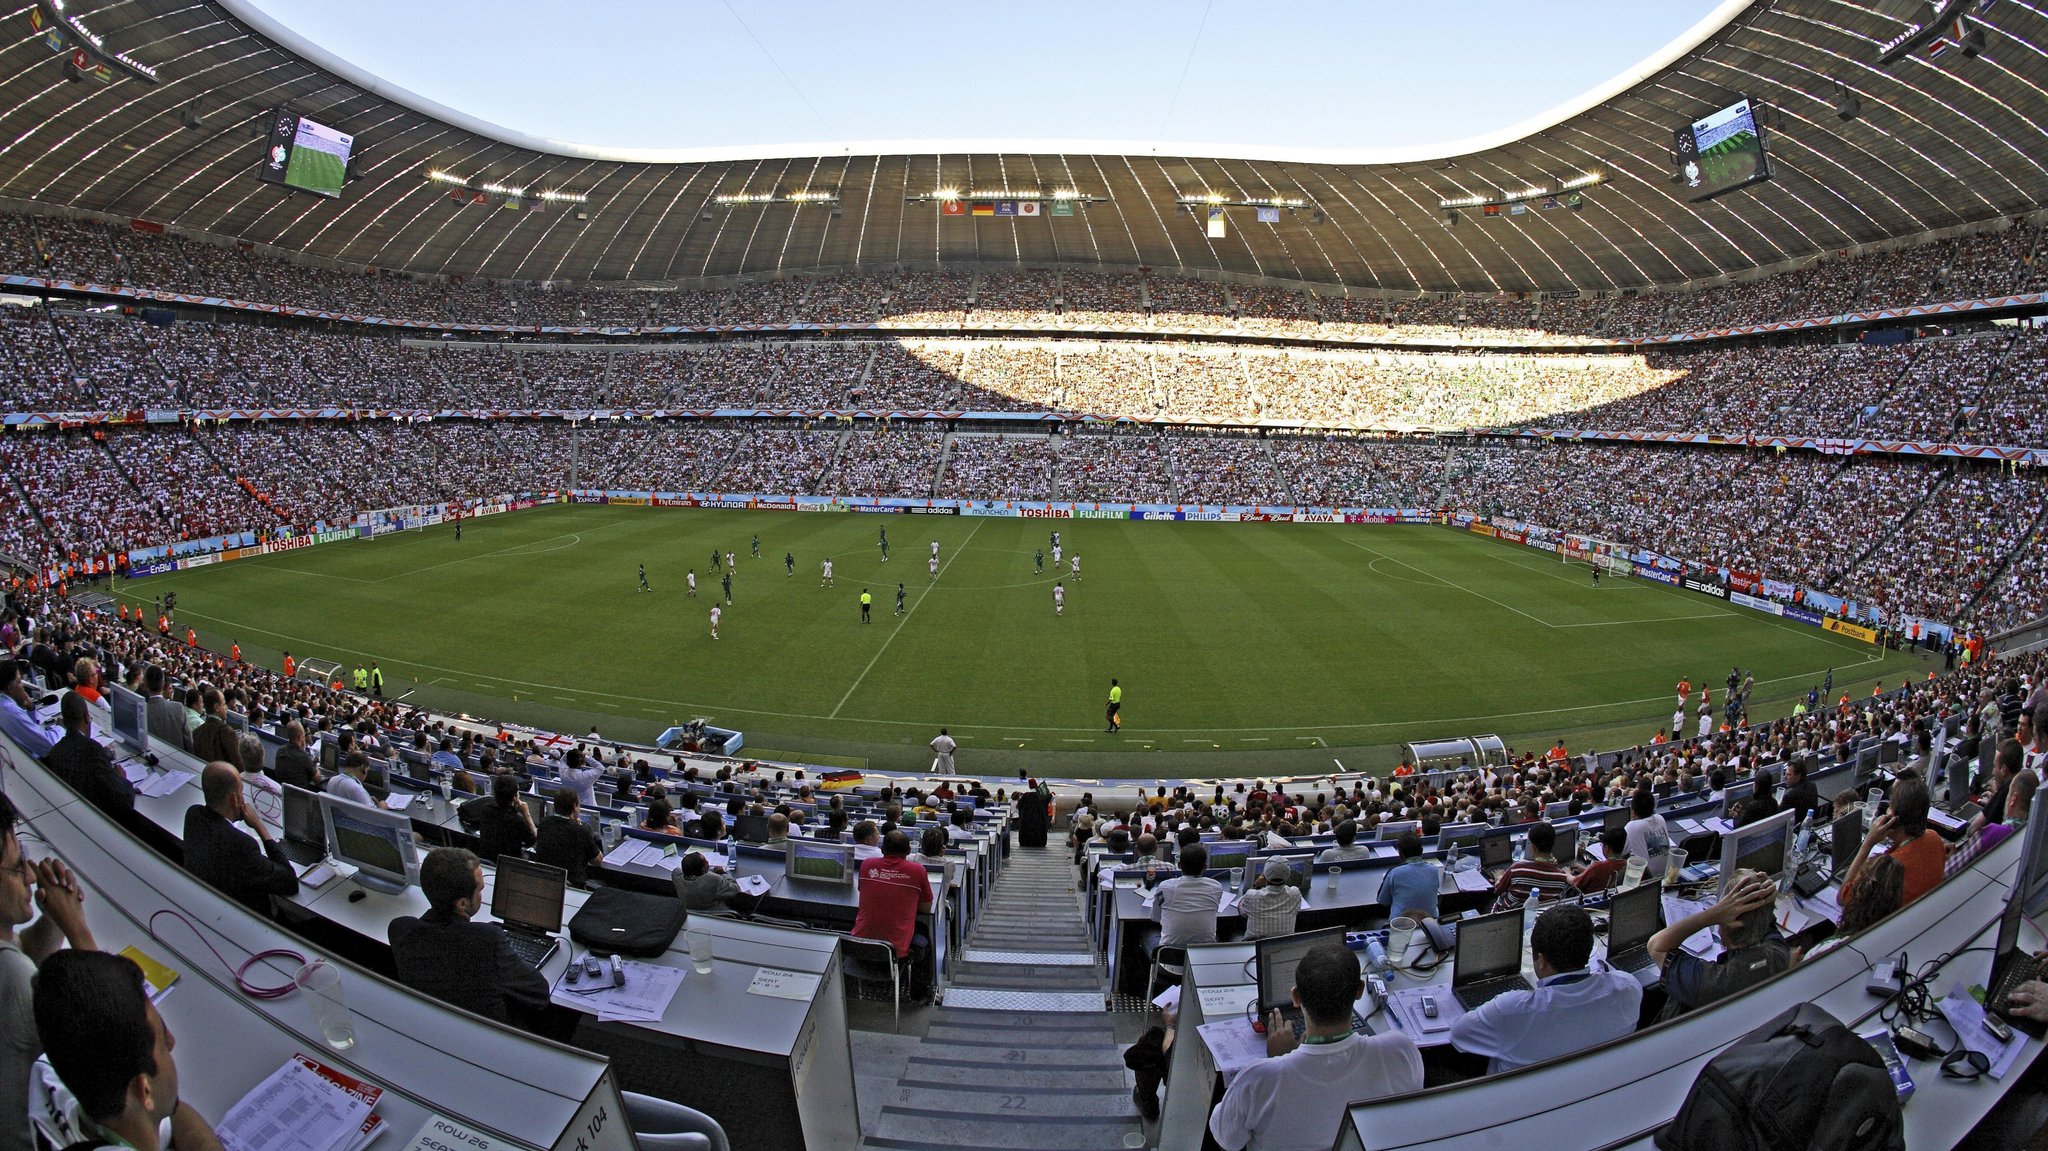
358 895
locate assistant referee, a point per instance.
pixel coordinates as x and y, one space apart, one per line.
1116 705
865 601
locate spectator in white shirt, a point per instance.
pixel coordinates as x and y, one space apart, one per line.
1571 1008
348 782
575 774
1185 906
1295 1099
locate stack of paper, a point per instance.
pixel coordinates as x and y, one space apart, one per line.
162 783
644 998
1473 881
756 885
302 1106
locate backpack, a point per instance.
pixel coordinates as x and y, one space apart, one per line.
617 922
1802 1082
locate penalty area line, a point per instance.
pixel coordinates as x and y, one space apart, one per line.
922 595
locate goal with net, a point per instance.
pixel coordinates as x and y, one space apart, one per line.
320 671
1610 557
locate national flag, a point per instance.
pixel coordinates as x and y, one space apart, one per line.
1006 207
983 208
1062 207
1269 215
1575 201
1517 208
1027 207
952 207
1489 209
512 205
1217 228
1549 202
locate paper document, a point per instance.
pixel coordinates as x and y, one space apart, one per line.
1704 943
163 783
136 772
1966 1015
754 884
1223 1002
1169 999
1406 1008
1229 904
626 852
773 981
293 1110
644 998
398 800
1472 881
1233 1044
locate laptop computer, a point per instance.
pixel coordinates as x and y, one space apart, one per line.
527 898
305 832
1844 837
1632 918
2012 966
1488 961
1275 958
1496 852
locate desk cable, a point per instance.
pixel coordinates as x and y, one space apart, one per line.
241 974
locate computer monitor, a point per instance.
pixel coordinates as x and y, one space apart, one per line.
750 828
1276 958
1734 796
238 721
2033 874
1762 846
303 822
1496 848
536 806
1489 947
1567 846
1846 835
1888 752
819 862
1558 810
377 843
1389 832
1632 917
529 894
1614 819
1301 866
1225 853
1463 836
131 717
330 755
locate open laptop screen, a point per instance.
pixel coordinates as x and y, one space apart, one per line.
1489 947
529 894
1277 957
1632 917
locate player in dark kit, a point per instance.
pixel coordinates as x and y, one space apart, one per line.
1038 562
458 531
717 564
643 578
899 599
726 580
757 545
1596 575
788 563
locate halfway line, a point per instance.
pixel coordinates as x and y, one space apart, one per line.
906 619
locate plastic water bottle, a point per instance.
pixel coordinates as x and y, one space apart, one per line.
1375 954
1804 843
1530 909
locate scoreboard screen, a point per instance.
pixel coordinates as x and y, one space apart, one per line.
302 153
1722 152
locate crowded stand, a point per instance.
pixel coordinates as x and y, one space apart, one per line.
660 457
913 376
2014 407
899 460
1343 471
1012 377
991 467
1969 267
1935 563
1114 467
779 462
1223 470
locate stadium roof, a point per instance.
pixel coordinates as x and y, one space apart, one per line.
1940 141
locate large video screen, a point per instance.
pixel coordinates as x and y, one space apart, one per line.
302 153
1723 152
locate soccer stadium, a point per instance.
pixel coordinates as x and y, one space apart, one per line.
1011 644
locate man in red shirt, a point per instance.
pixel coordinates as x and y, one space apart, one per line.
892 892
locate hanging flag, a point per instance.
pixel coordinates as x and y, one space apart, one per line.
952 207
1575 201
1216 227
1549 202
1269 215
1062 207
1027 207
1006 207
1489 209
983 208
1517 208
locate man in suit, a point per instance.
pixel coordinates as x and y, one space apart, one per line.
79 760
465 964
166 715
294 764
214 740
250 870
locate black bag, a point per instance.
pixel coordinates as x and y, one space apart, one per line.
1802 1082
616 922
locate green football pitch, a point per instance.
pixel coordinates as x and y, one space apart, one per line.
1242 648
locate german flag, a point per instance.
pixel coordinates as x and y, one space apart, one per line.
982 208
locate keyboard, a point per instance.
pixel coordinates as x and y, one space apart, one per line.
2018 969
1634 959
1473 995
533 950
1299 1022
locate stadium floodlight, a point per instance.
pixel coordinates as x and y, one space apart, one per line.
49 18
807 196
1847 106
504 191
1225 200
1531 192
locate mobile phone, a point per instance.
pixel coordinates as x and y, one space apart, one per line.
1997 1026
1429 1007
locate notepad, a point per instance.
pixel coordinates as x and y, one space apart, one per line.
159 977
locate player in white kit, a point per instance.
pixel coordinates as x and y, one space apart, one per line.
825 580
1059 599
716 611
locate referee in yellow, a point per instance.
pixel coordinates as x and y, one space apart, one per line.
865 601
1116 705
